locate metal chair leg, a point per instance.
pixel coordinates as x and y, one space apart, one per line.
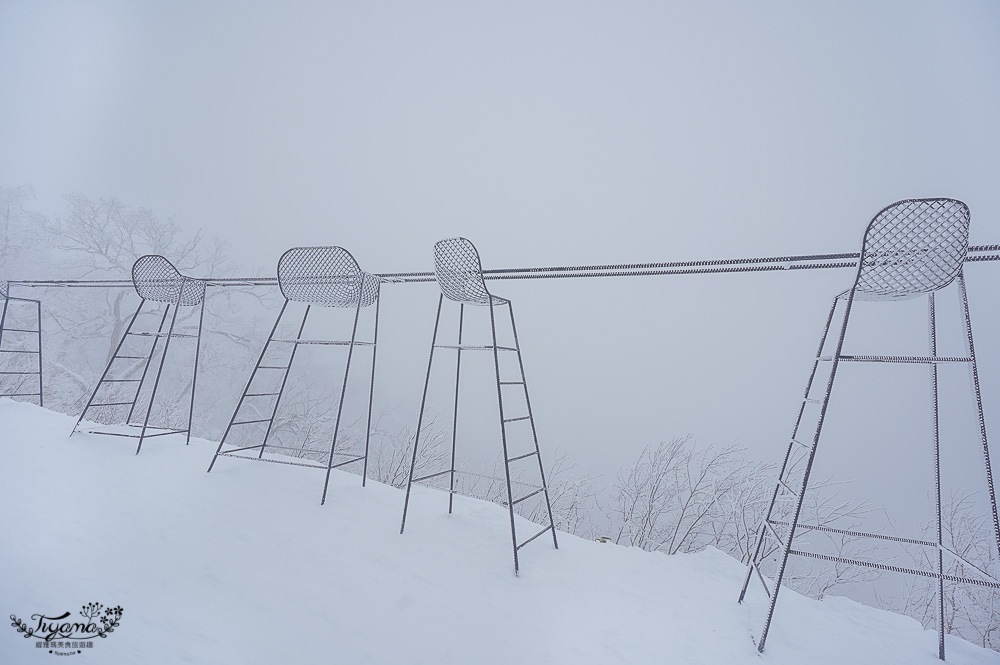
970 346
371 397
454 420
793 522
420 418
194 376
107 368
340 406
41 391
159 373
503 434
149 361
284 382
534 433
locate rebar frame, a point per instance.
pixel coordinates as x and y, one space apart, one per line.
20 391
459 275
323 277
155 280
911 248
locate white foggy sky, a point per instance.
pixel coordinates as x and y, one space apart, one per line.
548 133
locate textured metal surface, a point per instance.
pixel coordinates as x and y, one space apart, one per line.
156 278
913 247
460 277
14 387
459 273
325 276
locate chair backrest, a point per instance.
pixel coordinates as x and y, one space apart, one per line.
912 247
325 276
459 272
156 278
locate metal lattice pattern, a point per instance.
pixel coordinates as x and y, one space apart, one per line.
460 274
156 278
325 276
913 247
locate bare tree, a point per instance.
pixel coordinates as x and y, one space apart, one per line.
668 499
677 497
971 612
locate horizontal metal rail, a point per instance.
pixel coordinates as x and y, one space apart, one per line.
896 569
977 253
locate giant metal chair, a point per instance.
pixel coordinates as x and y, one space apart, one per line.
325 277
460 277
156 280
19 377
912 248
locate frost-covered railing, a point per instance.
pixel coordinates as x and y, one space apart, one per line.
977 253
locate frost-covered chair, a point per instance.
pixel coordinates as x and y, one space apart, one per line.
911 249
126 377
459 275
313 276
20 328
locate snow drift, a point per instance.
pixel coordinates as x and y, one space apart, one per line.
244 566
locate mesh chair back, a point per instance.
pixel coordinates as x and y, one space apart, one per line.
913 247
156 278
325 276
459 272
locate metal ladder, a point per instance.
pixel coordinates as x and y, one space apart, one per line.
122 369
321 276
465 284
9 353
912 248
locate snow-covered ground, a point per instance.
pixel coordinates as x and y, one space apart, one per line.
244 566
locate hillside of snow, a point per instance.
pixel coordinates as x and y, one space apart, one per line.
244 566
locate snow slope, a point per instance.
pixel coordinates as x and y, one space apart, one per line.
244 566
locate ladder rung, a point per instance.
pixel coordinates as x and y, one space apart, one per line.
19 330
236 450
35 372
271 367
467 347
512 383
350 461
16 351
163 334
804 445
809 400
433 475
20 395
324 342
514 420
514 459
175 431
121 380
111 404
528 496
130 357
534 536
249 422
260 394
274 461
